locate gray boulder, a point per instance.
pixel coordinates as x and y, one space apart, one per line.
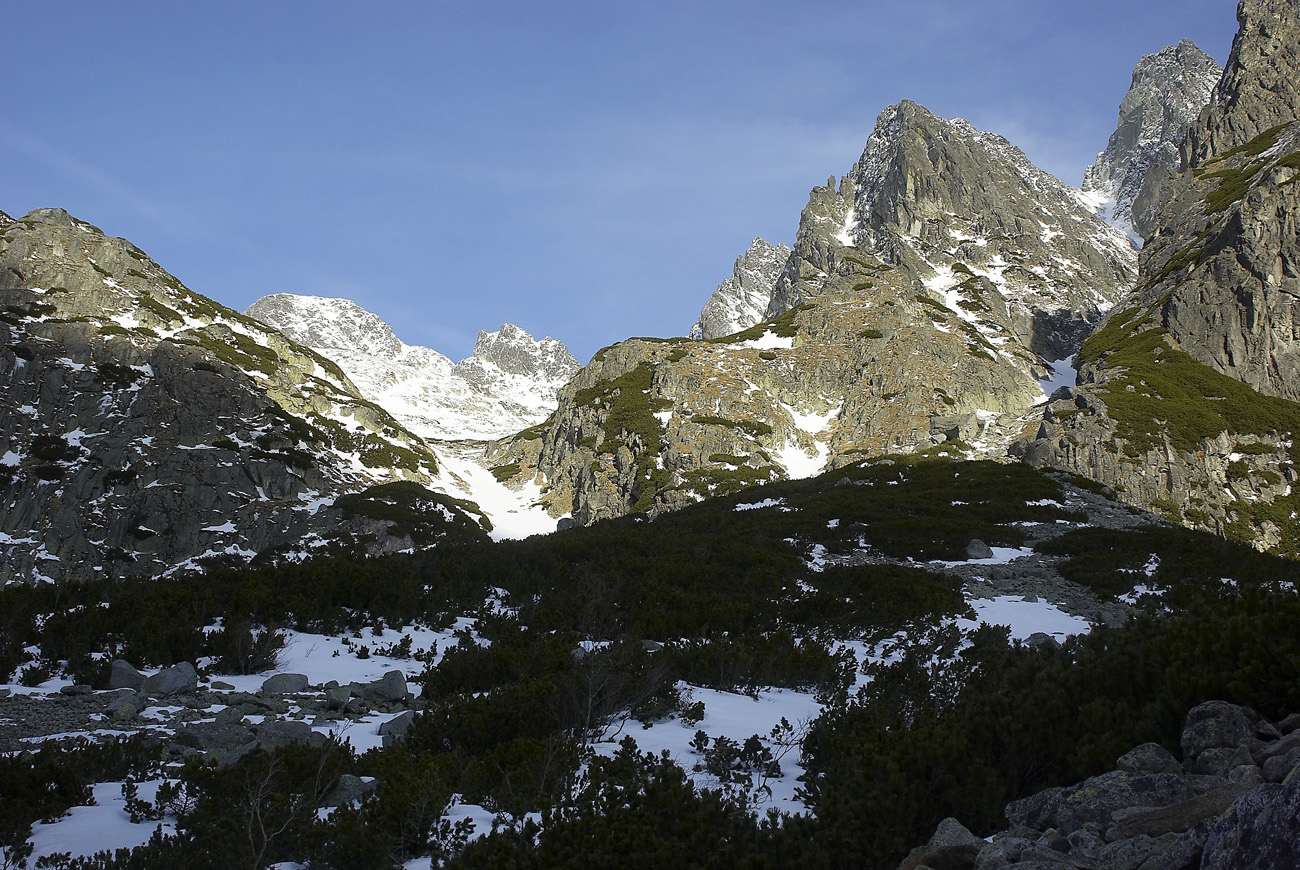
126 707
124 675
285 731
977 549
285 684
1174 818
207 736
1148 758
951 847
395 729
1261 831
337 697
349 788
391 687
1216 725
230 716
176 680
1279 767
1094 800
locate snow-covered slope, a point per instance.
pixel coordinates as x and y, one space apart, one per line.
741 301
508 384
1169 90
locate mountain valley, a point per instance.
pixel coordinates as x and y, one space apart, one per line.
959 534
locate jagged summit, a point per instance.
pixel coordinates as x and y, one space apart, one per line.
1169 90
507 384
920 307
1197 373
742 300
930 195
1258 90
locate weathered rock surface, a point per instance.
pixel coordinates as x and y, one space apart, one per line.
1150 814
1169 90
1218 294
1261 831
177 680
143 425
123 675
742 300
919 307
285 684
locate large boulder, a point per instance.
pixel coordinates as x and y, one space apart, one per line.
951 847
177 680
1261 831
1216 725
391 687
285 684
1094 800
208 736
1148 758
395 729
123 675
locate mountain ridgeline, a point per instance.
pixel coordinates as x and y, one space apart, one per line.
927 295
1186 402
148 428
931 292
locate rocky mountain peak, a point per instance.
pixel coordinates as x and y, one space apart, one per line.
145 427
1169 90
515 351
1197 373
742 300
1260 88
507 384
930 196
319 321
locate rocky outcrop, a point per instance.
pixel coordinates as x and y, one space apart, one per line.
1222 806
1186 397
1169 90
508 384
944 203
919 307
146 427
742 300
1258 90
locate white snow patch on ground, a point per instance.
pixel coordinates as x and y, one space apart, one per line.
514 514
810 421
87 830
1025 617
767 502
798 463
1064 374
663 416
738 717
1001 556
314 656
227 526
769 341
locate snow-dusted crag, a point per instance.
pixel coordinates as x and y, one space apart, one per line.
945 202
145 426
1187 398
742 300
508 384
922 303
1169 90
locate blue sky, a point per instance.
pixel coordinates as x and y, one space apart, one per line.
586 170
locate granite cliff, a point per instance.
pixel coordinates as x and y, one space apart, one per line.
1187 395
925 299
146 427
